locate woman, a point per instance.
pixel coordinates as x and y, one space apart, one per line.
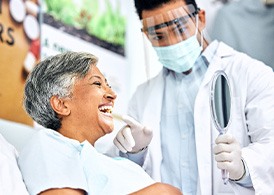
68 95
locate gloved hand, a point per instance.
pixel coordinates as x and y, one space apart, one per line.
133 137
228 155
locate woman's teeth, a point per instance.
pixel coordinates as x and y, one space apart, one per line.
106 109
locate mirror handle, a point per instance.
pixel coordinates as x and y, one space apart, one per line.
225 173
225 176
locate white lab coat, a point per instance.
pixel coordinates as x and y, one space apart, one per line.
252 122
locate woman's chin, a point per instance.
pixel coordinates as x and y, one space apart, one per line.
107 123
109 129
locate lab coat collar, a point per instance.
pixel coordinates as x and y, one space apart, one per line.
214 53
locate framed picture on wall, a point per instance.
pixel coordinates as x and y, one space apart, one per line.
20 51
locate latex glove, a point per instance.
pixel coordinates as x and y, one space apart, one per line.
133 137
228 155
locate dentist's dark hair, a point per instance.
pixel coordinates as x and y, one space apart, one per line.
142 5
54 76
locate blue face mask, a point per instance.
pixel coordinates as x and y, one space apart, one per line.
180 57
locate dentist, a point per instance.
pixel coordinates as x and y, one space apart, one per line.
184 148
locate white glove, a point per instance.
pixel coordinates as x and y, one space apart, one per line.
133 137
228 155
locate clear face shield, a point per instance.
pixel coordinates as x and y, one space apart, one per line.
175 37
171 27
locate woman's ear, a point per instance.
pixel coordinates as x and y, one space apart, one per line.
59 106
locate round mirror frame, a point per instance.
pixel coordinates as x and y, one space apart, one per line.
214 116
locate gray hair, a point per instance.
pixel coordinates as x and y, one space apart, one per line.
55 75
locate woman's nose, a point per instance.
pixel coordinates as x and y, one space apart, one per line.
110 94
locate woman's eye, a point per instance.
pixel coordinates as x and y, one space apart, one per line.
97 83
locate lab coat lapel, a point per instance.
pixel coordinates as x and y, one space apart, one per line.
152 118
203 139
203 129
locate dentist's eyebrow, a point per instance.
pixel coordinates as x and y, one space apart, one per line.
155 33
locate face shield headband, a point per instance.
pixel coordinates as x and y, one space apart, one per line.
171 27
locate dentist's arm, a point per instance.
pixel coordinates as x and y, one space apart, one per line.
133 139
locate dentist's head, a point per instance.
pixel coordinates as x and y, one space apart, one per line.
175 30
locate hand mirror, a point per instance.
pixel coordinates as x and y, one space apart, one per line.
220 106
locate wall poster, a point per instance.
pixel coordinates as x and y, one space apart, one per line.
19 52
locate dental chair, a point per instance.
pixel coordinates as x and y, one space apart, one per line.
15 133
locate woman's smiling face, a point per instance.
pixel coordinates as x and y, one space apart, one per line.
91 106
